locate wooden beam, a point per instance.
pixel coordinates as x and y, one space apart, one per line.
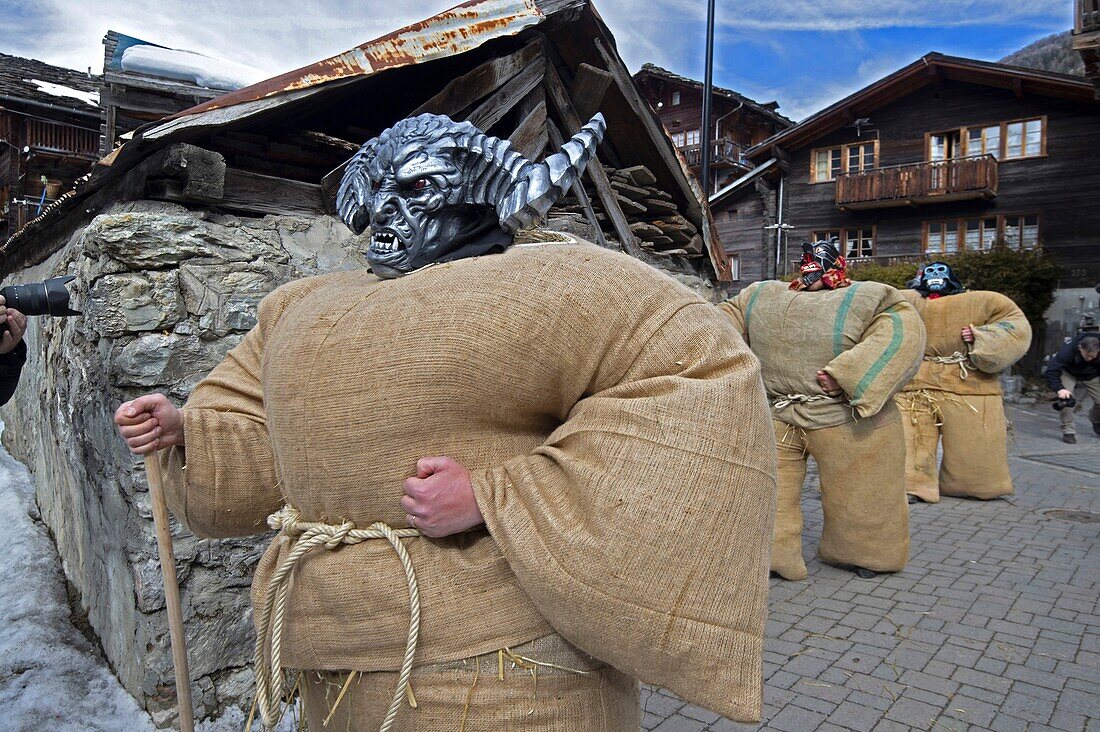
578 190
189 174
489 112
464 91
559 98
530 137
589 86
693 195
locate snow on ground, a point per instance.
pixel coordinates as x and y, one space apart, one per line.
51 677
59 90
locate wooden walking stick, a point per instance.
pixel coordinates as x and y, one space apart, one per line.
171 593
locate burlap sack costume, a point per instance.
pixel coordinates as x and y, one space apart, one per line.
870 340
593 400
956 395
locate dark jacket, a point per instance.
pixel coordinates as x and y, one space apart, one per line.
11 364
1070 360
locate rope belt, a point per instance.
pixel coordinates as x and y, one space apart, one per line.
782 402
963 360
312 535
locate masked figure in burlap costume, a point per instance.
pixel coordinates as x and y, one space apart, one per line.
833 353
972 337
592 522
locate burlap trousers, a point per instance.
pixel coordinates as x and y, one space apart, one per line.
975 445
570 692
862 469
1080 388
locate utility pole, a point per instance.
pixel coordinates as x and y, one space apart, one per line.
705 137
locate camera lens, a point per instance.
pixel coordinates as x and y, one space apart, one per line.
40 298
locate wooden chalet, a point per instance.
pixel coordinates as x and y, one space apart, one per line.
528 71
739 122
945 154
49 135
1086 38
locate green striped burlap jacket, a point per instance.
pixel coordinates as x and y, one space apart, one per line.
866 335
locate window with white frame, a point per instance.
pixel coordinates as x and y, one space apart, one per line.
825 235
1024 139
735 266
984 140
942 237
675 98
692 137
1021 232
828 162
980 233
859 243
678 139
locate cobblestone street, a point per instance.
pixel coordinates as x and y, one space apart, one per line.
994 624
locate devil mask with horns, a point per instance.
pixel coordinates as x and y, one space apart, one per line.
434 190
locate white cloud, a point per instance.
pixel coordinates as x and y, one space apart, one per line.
838 15
279 35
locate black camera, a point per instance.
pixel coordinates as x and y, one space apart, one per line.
1067 403
39 298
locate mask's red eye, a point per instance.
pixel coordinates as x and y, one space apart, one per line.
420 184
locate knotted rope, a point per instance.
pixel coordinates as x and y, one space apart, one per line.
269 622
962 359
782 402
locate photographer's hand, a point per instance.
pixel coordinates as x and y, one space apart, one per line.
17 325
149 423
1064 393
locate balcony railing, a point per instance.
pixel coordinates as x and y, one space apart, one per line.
1087 17
918 183
62 139
726 153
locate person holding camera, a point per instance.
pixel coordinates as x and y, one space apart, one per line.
1077 363
13 351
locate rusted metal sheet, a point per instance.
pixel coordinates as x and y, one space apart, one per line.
460 29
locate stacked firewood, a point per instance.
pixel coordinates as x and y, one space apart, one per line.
654 219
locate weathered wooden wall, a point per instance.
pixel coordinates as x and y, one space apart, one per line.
1060 187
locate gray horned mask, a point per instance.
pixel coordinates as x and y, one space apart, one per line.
434 190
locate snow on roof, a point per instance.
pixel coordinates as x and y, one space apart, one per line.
60 90
190 67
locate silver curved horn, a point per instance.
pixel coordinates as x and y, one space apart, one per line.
539 185
354 197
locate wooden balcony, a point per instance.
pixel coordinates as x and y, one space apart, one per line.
61 139
1086 38
917 184
727 153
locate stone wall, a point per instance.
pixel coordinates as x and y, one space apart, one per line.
165 292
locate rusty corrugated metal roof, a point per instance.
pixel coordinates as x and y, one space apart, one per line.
460 29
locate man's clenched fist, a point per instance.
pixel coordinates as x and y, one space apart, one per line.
440 500
149 423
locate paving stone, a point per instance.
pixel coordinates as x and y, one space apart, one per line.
855 716
796 719
996 615
913 713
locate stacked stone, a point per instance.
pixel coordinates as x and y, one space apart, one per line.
165 292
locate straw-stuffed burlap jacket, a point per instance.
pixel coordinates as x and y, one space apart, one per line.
866 336
1002 336
615 427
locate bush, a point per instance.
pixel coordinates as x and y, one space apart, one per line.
1028 276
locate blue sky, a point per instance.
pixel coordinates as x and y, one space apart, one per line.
803 53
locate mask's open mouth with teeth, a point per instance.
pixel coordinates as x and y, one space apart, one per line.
385 244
